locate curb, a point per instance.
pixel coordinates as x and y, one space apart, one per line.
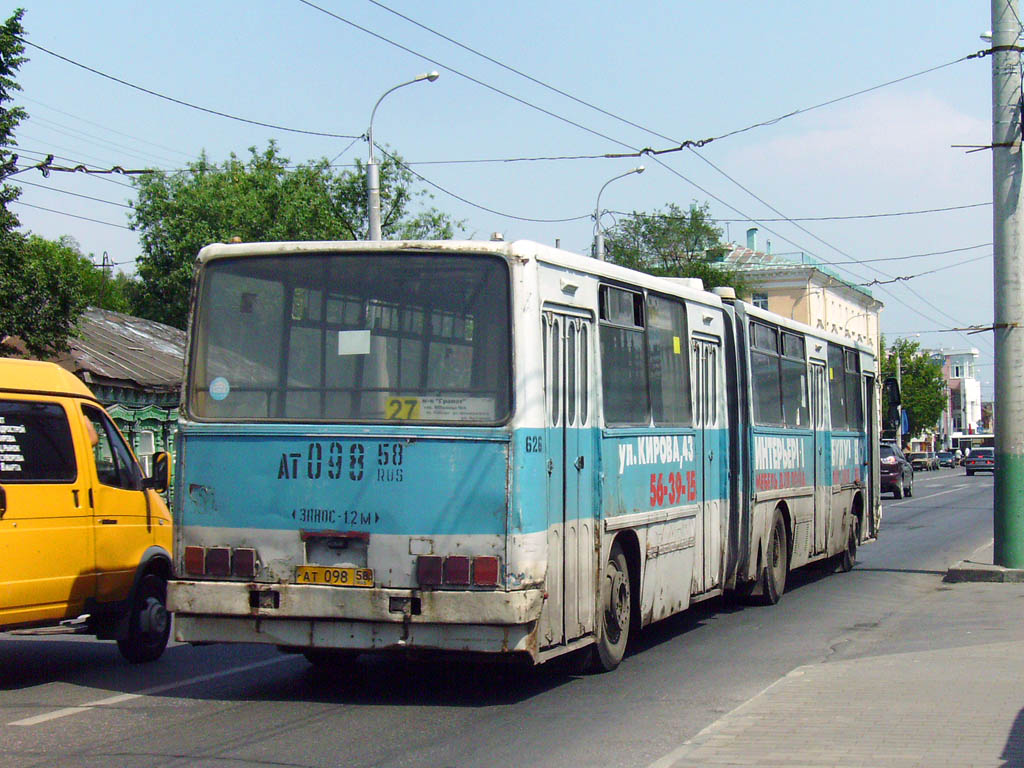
966 570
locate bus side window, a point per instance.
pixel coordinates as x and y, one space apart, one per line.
669 362
623 364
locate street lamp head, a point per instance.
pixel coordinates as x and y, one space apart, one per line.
639 169
430 76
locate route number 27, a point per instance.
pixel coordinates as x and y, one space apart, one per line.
402 408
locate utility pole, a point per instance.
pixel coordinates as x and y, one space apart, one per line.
899 380
1008 279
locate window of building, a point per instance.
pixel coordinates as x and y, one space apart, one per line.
760 300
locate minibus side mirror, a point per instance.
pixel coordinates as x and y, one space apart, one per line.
160 480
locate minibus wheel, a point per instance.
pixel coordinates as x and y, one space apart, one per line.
149 623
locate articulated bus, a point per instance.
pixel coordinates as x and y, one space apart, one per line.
500 448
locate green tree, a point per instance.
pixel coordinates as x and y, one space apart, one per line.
43 294
11 60
258 199
673 243
923 390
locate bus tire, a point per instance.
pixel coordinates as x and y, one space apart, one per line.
776 566
848 556
149 623
615 611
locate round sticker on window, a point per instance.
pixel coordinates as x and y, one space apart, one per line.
219 388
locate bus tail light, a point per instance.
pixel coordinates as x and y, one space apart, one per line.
485 571
221 561
428 570
243 563
195 561
218 561
456 570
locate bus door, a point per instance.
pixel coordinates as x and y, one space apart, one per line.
822 455
869 469
569 609
707 422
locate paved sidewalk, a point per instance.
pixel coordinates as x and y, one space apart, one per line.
956 707
943 688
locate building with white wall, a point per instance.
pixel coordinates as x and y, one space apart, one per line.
963 415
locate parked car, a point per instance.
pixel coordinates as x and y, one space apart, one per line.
981 460
946 459
925 460
896 473
87 536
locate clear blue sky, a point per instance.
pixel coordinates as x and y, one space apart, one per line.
686 69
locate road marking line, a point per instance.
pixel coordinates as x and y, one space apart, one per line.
930 496
122 697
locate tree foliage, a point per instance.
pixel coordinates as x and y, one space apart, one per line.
672 243
44 292
258 199
923 390
11 59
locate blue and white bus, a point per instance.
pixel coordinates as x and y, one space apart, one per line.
500 448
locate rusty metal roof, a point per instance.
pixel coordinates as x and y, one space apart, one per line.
117 349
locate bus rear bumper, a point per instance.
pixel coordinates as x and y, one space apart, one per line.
361 619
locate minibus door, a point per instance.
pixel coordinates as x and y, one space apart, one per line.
570 583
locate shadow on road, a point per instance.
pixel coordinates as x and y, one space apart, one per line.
1013 751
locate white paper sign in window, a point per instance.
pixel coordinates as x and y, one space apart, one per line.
353 342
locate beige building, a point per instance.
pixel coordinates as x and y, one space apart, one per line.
794 287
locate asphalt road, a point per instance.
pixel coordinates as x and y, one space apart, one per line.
72 701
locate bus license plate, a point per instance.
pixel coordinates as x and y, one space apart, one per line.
338 577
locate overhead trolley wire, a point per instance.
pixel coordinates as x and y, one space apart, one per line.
72 215
73 194
448 192
463 75
819 218
681 144
181 102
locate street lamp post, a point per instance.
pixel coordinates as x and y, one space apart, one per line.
372 169
598 236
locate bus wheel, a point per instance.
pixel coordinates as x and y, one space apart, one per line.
849 555
616 606
149 623
773 577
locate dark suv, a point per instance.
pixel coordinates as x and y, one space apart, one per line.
896 473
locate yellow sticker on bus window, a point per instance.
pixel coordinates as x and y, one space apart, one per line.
676 346
402 408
